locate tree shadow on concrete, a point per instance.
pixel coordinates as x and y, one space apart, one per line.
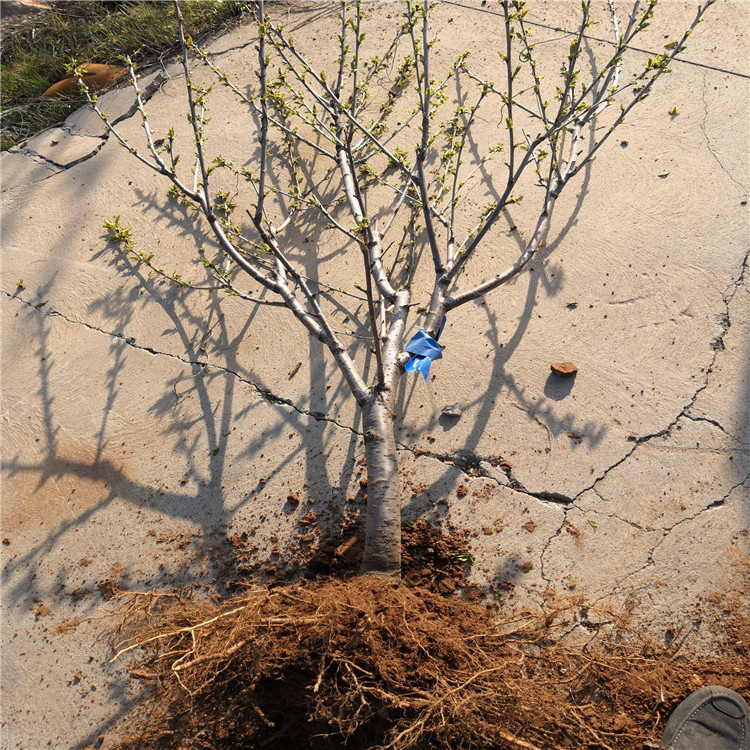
326 390
212 387
190 432
544 411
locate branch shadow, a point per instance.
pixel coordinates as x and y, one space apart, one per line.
199 410
542 275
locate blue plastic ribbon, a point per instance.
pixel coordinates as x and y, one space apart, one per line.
424 350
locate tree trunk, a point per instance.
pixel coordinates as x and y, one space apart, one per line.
383 526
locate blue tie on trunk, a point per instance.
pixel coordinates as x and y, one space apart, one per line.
424 349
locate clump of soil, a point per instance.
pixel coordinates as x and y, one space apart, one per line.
370 663
435 558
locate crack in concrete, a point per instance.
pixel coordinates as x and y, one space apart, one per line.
665 532
495 468
56 167
634 524
39 159
265 393
708 140
718 346
726 323
232 49
711 506
26 183
42 159
710 421
547 544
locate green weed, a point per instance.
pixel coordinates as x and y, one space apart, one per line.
467 557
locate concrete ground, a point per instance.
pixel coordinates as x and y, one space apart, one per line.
17 8
146 427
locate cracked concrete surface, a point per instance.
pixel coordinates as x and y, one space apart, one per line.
62 149
203 364
142 429
77 140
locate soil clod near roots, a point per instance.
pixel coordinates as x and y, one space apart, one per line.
370 663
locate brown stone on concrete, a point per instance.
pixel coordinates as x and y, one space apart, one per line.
563 369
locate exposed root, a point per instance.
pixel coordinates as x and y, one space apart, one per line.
369 663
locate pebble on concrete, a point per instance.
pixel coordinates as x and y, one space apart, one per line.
563 369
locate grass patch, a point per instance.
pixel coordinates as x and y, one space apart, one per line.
37 51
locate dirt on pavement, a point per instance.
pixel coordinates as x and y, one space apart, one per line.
368 662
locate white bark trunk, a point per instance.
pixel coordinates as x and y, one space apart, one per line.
383 525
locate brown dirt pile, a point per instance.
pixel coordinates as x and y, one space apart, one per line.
436 558
369 663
